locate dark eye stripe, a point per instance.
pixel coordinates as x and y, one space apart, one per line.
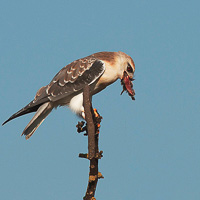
129 68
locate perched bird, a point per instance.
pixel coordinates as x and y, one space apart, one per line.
97 70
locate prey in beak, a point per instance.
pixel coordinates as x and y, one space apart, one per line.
127 84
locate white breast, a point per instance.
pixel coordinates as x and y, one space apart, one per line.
76 104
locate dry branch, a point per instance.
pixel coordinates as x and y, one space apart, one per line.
93 155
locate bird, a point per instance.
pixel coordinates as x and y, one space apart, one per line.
98 70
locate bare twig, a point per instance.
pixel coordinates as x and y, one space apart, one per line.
90 122
93 150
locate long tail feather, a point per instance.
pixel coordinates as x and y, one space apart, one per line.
37 119
31 107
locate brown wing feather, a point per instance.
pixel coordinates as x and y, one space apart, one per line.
68 79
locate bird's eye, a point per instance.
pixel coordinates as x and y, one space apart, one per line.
129 68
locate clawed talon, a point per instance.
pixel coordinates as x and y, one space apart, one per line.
96 114
81 128
97 120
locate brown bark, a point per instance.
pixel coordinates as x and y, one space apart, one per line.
93 150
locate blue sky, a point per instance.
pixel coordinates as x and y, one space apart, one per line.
151 145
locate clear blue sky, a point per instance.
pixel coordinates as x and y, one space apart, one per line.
151 145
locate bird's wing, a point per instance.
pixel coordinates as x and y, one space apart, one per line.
72 78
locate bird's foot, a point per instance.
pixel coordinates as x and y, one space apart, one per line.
97 120
81 128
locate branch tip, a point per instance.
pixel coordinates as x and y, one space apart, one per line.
83 155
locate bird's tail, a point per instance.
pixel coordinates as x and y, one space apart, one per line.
37 119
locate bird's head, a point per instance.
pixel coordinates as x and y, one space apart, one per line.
128 69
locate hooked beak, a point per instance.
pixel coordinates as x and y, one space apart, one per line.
128 85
